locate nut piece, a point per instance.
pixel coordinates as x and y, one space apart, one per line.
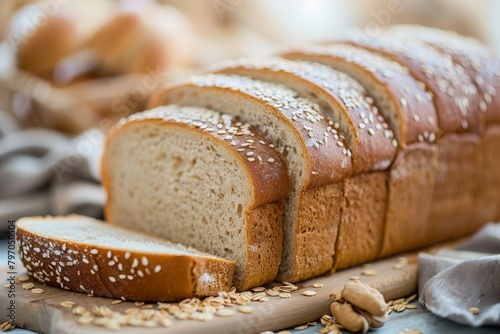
365 297
348 318
474 310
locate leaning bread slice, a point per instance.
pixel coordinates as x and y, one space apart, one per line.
86 255
408 107
203 179
313 146
369 137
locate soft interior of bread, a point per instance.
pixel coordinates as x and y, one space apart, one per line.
180 184
273 128
91 232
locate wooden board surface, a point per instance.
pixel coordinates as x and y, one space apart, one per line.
42 312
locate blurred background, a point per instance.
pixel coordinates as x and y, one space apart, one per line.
70 69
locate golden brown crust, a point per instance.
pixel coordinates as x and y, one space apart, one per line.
265 235
488 196
410 191
118 273
479 62
455 96
361 229
415 109
372 143
452 213
328 161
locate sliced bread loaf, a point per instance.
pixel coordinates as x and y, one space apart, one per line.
460 124
369 137
408 107
86 255
314 148
203 179
483 67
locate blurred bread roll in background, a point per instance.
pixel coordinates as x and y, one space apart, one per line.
463 16
61 42
44 33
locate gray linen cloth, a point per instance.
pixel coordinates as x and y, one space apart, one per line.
451 282
45 172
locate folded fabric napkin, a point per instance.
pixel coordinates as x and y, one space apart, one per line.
453 282
44 172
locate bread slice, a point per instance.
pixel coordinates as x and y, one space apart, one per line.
200 178
460 122
369 137
313 147
86 255
408 107
483 67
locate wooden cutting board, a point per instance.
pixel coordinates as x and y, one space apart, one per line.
43 313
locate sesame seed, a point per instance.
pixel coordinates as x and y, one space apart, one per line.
416 118
94 251
270 160
109 255
112 279
127 255
157 268
144 261
403 102
371 131
135 263
249 154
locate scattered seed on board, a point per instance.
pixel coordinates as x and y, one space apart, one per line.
23 278
258 289
411 298
354 278
246 309
116 301
309 293
139 303
301 327
410 331
317 285
7 326
28 286
474 310
369 272
224 313
272 293
37 290
285 295
68 303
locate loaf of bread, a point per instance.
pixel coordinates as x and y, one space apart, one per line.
203 179
458 142
369 137
409 110
313 146
321 159
82 254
